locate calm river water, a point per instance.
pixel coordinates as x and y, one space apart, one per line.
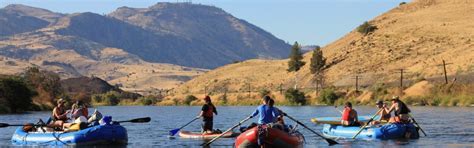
445 127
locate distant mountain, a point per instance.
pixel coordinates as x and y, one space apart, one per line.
210 37
176 33
130 46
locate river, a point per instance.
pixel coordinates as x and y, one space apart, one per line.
445 126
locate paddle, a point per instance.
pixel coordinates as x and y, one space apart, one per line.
137 120
222 134
7 125
335 107
368 122
414 121
174 131
330 141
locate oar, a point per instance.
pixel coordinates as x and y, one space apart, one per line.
335 107
368 122
137 120
222 134
414 121
174 131
7 125
330 141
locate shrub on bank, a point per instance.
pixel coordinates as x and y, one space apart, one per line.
328 96
189 98
109 98
294 96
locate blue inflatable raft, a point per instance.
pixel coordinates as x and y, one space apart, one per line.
385 132
95 135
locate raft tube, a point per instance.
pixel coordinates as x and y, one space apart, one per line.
272 138
94 135
385 132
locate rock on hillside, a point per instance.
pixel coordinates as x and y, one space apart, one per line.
414 36
212 36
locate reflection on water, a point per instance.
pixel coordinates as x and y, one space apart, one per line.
444 126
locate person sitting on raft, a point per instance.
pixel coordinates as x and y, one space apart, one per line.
79 113
59 115
401 111
383 113
79 109
279 123
267 114
349 116
207 112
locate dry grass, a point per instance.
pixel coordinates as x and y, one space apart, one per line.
415 36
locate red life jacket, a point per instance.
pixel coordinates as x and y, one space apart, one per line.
346 115
209 112
85 112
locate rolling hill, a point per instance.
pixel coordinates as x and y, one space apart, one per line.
415 36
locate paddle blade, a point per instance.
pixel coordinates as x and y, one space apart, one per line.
141 120
173 132
331 142
4 125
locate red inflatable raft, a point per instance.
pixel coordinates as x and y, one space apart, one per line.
272 137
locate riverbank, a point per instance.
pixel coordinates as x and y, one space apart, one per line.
422 93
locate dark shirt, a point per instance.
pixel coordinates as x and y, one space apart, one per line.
205 108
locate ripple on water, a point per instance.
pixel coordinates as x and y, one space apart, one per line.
444 126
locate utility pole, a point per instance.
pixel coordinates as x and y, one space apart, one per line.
445 71
205 90
401 71
357 77
281 88
249 89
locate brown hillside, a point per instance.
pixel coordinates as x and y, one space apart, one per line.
415 36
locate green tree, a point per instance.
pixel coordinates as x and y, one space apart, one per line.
317 61
295 63
317 66
296 58
15 94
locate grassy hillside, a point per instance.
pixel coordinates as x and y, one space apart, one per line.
415 37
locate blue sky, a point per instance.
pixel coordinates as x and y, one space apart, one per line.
310 22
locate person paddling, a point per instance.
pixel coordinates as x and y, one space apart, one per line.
59 115
267 114
401 111
207 113
349 116
279 123
383 114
